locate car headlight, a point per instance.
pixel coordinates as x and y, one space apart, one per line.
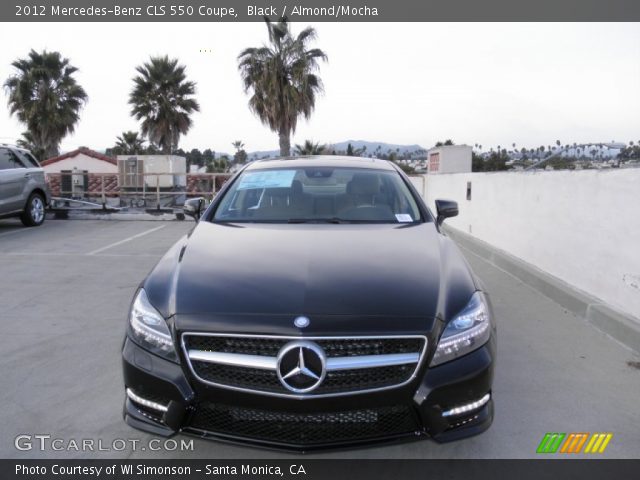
149 329
468 331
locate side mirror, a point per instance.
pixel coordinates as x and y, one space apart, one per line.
446 209
193 207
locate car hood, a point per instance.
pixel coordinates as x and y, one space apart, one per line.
272 273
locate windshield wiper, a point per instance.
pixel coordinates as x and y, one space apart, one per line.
317 220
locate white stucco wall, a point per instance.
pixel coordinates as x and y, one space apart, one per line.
81 162
580 226
419 182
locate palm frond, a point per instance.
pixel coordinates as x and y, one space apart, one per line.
281 78
162 98
44 95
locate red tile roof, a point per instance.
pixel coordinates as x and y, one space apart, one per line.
203 182
84 150
94 188
110 184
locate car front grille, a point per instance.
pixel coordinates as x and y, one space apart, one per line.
333 347
369 378
304 429
243 377
249 363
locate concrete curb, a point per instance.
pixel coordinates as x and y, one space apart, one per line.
620 326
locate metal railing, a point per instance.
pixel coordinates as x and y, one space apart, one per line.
136 190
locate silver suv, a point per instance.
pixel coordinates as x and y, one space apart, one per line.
23 190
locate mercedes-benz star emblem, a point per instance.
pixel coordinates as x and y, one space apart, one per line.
302 322
301 366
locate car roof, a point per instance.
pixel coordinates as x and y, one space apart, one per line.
315 161
14 147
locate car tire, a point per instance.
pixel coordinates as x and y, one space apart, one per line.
34 211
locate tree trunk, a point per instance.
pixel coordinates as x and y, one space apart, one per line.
49 149
52 152
285 143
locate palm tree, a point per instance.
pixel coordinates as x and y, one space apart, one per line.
309 148
162 99
28 142
45 97
129 143
240 155
282 79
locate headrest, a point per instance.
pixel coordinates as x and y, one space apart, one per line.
276 192
296 187
364 184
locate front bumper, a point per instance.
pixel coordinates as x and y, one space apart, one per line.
423 408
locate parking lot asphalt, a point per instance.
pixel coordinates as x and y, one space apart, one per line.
65 289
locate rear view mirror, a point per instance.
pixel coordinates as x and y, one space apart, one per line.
193 207
446 209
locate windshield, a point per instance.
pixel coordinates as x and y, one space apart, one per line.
316 195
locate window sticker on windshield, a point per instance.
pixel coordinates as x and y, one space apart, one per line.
404 217
267 179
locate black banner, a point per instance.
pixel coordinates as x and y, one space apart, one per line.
319 10
301 468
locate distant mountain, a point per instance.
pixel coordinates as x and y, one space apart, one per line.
371 148
380 147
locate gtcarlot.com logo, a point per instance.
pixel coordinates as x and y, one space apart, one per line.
555 442
45 442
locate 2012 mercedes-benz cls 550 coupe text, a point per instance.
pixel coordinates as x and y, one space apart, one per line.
316 303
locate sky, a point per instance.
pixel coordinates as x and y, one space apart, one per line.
406 83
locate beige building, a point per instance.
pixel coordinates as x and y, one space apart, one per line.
82 159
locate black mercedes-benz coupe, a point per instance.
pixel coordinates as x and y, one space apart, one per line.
316 303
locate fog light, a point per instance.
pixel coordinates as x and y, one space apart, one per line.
144 402
469 407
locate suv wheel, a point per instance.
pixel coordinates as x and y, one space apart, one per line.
33 214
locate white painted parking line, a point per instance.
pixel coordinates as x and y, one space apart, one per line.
128 239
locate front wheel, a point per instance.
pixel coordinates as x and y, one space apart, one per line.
33 214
